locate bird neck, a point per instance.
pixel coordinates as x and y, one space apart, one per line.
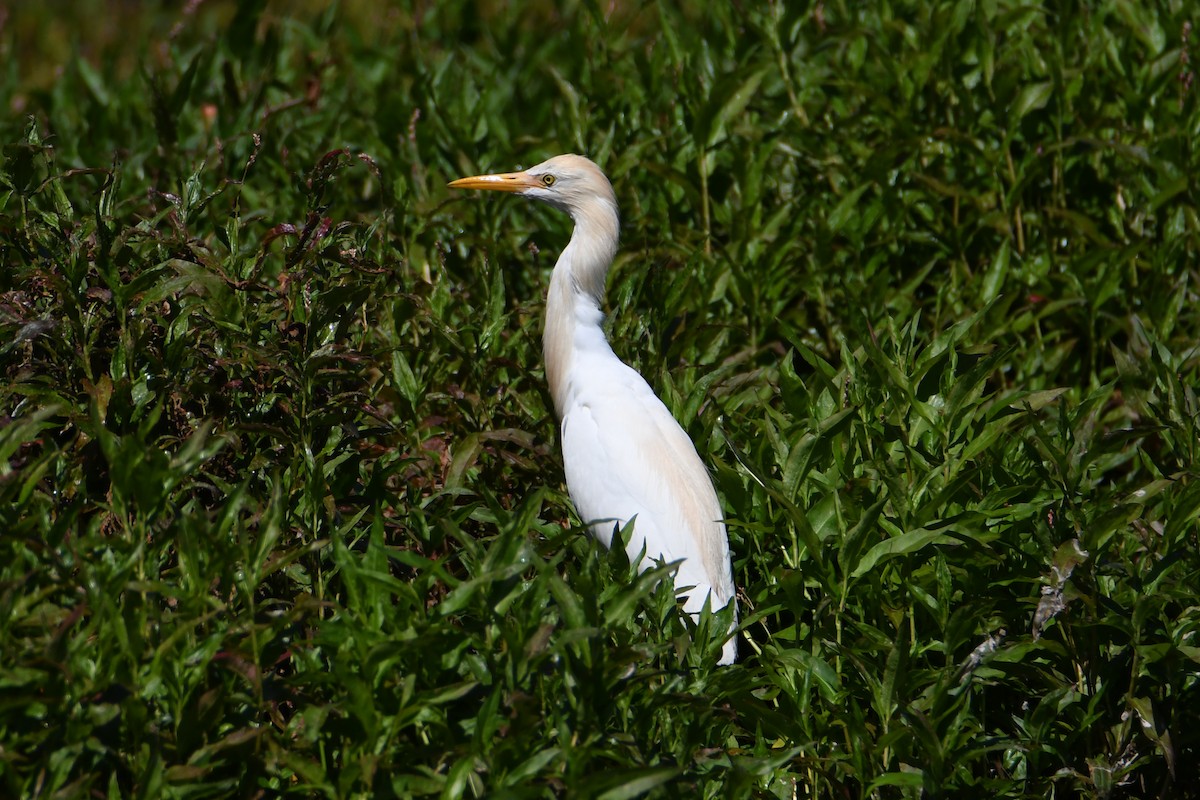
573 315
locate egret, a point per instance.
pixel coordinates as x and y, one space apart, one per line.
626 458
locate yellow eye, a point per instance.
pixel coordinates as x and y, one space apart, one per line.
548 180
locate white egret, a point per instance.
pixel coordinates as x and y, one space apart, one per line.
626 457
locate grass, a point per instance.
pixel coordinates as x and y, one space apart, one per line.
282 499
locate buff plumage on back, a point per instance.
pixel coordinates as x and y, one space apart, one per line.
626 457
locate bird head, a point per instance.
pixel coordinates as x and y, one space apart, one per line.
570 183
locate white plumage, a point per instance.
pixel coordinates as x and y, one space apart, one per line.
626 457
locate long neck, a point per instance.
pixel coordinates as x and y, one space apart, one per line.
573 314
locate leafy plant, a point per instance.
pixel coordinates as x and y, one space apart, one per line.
280 484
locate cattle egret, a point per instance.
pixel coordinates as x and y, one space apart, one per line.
626 458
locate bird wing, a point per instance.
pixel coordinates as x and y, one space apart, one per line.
625 457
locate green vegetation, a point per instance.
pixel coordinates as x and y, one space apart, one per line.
281 504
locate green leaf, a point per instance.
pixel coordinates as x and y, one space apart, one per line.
847 209
727 100
628 784
1032 97
903 544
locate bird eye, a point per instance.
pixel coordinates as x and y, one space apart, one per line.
548 180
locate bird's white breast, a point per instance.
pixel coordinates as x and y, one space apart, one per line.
626 457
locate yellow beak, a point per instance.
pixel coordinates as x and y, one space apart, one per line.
500 182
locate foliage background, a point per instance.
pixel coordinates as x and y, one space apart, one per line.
282 501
